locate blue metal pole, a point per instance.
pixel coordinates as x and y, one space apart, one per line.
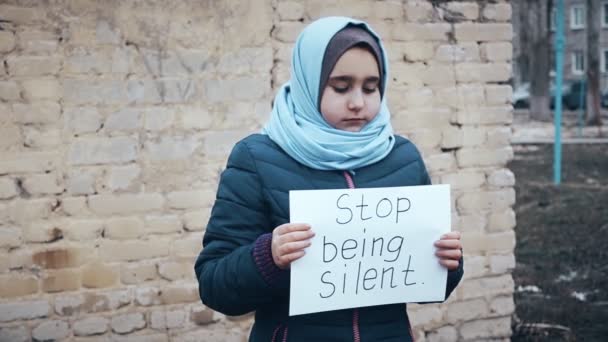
560 41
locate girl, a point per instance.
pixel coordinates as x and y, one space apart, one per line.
329 129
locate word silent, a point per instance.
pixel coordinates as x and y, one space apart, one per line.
383 208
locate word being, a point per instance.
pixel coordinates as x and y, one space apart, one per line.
366 279
351 248
384 208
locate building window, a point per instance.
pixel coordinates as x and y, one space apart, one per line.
553 19
605 14
577 17
578 63
604 61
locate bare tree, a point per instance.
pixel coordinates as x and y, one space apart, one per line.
537 26
593 66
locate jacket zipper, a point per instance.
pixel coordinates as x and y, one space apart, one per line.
356 335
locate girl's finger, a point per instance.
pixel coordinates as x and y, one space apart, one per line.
451 244
454 254
449 264
289 258
291 227
297 236
292 247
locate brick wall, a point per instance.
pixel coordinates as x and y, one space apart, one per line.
117 117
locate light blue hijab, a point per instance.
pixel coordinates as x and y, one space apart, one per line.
296 123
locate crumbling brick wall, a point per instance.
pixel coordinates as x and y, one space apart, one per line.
116 118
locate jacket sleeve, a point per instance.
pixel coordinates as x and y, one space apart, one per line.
235 270
454 276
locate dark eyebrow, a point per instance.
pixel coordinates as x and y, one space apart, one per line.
350 79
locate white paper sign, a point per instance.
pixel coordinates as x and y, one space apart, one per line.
371 246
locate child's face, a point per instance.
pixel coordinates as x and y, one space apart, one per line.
351 97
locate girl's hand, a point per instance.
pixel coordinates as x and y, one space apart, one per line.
449 250
288 243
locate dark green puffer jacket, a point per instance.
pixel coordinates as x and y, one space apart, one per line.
235 270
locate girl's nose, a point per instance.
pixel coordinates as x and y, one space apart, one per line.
356 102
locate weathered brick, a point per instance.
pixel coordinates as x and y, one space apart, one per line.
45 184
147 296
196 220
81 60
486 287
466 10
413 51
167 319
425 315
501 178
502 220
467 310
125 204
477 266
135 273
417 32
418 11
9 90
41 89
169 148
486 200
158 119
133 250
501 241
484 329
499 136
144 91
15 334
97 275
218 144
442 75
483 32
502 306
81 181
191 199
451 137
10 237
36 113
463 96
240 89
195 118
124 228
68 305
128 323
8 189
34 66
443 334
464 180
14 285
497 52
483 72
462 52
43 231
7 41
125 119
162 224
41 137
388 10
498 94
91 326
61 280
74 206
102 151
440 162
21 14
187 247
61 257
180 293
502 263
10 135
497 12
38 42
290 10
176 270
51 330
25 211
107 301
201 315
83 91
79 120
24 310
468 157
122 177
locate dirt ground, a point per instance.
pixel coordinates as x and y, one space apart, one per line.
561 275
